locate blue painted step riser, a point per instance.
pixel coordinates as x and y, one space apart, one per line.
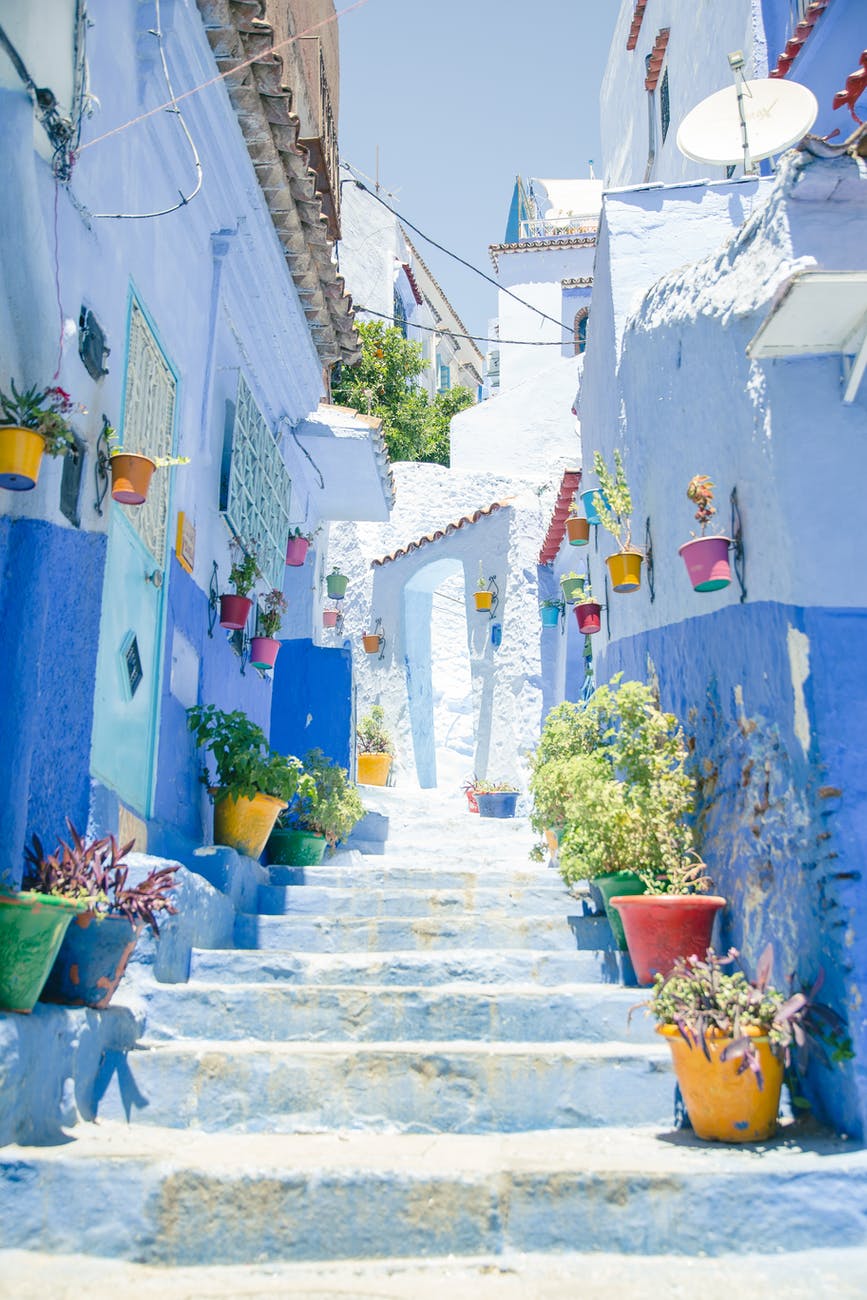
180 1217
418 968
388 1090
313 900
303 934
272 1013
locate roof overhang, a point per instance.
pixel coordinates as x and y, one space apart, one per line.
819 313
354 479
439 534
557 527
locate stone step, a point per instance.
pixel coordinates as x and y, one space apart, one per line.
516 966
218 1199
417 1087
382 934
373 1013
406 874
365 900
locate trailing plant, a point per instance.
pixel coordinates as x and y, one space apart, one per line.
45 411
326 802
700 492
244 572
614 508
271 611
372 735
94 871
711 996
244 761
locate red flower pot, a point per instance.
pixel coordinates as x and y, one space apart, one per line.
234 611
330 617
263 651
662 927
707 562
296 551
588 617
471 801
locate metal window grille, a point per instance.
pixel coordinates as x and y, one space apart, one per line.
260 489
664 105
148 427
399 313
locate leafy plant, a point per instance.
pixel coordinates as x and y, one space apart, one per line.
490 787
244 761
326 803
586 597
614 508
703 998
372 735
244 572
700 492
298 534
483 583
94 871
574 511
271 611
115 448
45 411
551 604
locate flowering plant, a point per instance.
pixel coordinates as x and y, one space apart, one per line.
271 611
45 411
700 492
244 570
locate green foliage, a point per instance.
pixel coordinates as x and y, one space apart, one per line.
45 411
244 761
328 804
244 572
490 787
384 384
271 612
616 517
372 735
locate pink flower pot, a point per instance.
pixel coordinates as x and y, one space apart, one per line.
263 651
588 618
234 611
707 562
296 551
330 617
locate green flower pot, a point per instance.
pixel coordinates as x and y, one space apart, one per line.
32 927
336 584
572 588
292 848
621 882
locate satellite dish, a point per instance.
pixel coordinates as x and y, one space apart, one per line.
777 114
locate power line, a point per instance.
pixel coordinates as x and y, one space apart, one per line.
448 252
476 338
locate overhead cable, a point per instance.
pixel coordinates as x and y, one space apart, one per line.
476 338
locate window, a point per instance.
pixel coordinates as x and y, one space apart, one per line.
148 426
257 503
445 378
664 105
579 330
399 313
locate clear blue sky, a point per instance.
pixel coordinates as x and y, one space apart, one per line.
461 96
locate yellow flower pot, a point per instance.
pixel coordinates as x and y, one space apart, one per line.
724 1106
484 599
625 570
21 452
373 769
245 824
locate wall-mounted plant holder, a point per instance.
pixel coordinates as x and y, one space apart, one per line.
607 604
336 584
374 642
101 461
648 561
551 612
213 599
739 556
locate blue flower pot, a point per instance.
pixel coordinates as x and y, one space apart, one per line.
550 615
589 507
91 961
497 805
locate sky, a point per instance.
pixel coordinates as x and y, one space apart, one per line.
461 96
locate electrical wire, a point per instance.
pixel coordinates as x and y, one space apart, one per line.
490 279
476 338
185 198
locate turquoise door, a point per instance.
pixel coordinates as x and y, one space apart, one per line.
129 661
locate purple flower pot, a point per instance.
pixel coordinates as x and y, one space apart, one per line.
296 551
263 651
707 562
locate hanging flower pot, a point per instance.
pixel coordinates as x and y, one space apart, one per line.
296 551
625 570
707 562
131 476
588 617
484 600
550 613
578 530
336 584
589 505
263 651
21 452
330 617
234 611
572 588
372 643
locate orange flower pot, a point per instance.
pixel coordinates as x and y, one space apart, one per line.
373 769
245 824
484 600
725 1106
578 530
372 643
21 452
625 570
131 476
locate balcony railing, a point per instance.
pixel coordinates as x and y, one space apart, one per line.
557 227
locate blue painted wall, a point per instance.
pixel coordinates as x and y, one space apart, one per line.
311 703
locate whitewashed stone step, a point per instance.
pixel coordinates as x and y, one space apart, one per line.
364 901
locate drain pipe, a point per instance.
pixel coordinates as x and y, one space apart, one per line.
651 126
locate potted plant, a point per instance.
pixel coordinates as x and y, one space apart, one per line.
375 748
244 572
131 472
731 1039
706 558
587 612
614 507
336 584
469 789
264 647
496 798
483 595
331 618
32 925
296 547
253 782
590 499
550 612
572 586
98 944
322 812
32 424
373 641
577 526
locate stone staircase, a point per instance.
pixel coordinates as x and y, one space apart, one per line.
420 1054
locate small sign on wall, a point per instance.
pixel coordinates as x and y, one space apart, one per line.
131 663
185 541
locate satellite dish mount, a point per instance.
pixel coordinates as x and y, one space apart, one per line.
736 63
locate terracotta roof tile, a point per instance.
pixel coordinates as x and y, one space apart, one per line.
557 527
637 20
439 533
796 43
657 57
